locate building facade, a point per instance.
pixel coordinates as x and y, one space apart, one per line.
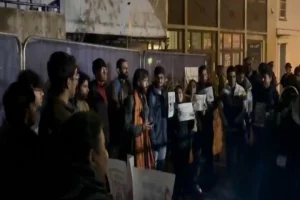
225 30
284 28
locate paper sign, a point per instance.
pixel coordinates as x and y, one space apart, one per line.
186 112
117 178
281 161
152 184
199 102
171 101
259 114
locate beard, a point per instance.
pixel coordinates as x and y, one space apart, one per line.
123 76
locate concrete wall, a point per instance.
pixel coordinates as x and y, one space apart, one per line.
138 18
25 23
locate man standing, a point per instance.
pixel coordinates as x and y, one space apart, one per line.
284 78
97 98
119 89
157 100
31 78
63 78
19 144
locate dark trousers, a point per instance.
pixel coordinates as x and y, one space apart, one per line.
203 147
182 170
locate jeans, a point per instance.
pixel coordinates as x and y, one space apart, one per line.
160 156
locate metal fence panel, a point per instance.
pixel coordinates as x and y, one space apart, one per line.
37 52
10 62
174 63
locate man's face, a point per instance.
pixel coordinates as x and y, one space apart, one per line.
247 65
72 83
297 76
203 77
231 78
160 80
144 83
84 89
102 74
288 70
240 77
266 80
99 158
39 96
220 71
123 72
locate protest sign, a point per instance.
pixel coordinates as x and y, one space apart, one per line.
186 112
171 101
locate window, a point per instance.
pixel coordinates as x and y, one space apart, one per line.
282 14
199 40
174 39
231 46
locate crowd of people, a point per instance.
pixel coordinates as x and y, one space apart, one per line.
56 137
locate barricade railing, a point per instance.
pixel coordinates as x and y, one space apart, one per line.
37 51
10 61
174 63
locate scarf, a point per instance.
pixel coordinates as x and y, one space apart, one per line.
143 151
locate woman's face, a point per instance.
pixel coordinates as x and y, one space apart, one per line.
84 89
179 95
144 84
203 76
193 88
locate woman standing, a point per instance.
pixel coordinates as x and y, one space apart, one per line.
137 126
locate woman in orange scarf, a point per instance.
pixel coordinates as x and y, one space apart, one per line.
137 124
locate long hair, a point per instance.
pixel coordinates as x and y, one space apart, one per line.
139 75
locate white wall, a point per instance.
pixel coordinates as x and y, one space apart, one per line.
139 18
288 31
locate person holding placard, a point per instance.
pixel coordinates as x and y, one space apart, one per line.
232 110
265 101
181 146
203 141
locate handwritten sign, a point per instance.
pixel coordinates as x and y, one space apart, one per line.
117 178
151 184
171 101
186 112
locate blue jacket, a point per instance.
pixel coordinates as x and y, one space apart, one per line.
158 114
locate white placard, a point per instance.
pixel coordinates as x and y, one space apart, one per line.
171 101
152 184
259 114
186 112
130 165
117 178
209 94
199 102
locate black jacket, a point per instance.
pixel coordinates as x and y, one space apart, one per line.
19 157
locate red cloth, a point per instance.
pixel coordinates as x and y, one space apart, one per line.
101 90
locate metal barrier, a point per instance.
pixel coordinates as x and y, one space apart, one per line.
174 63
10 62
37 51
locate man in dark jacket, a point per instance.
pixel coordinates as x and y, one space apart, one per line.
119 89
19 144
63 78
158 111
97 98
288 72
